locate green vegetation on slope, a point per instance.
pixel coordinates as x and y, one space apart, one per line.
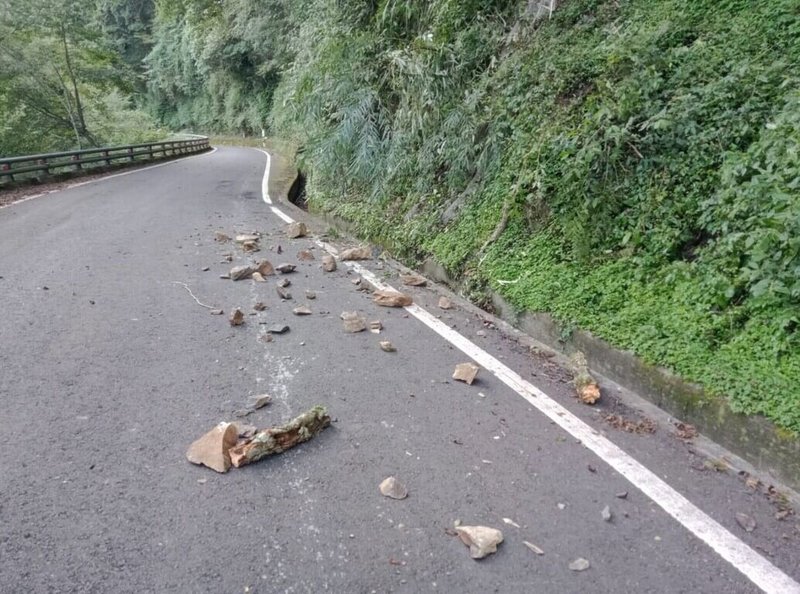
646 154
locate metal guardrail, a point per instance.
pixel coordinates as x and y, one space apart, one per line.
49 163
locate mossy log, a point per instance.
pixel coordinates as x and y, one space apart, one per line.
275 440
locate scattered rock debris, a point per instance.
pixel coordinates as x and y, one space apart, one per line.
481 540
606 514
375 326
353 322
579 564
245 237
390 298
227 258
260 306
511 522
256 276
211 450
296 230
283 293
250 247
311 295
285 268
221 237
328 263
413 280
466 372
685 431
387 346
284 282
359 253
585 385
216 312
301 310
237 317
264 268
640 427
278 329
261 401
305 256
392 488
445 303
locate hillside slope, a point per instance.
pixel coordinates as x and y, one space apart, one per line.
631 167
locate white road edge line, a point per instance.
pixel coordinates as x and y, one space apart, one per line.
105 177
743 558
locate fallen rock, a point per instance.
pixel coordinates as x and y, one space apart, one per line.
413 280
275 440
216 312
328 263
585 385
466 372
747 523
391 487
256 276
375 326
221 237
245 237
278 329
606 514
305 256
227 258
481 540
250 246
579 564
283 293
241 272
353 322
311 295
225 276
533 547
264 268
445 303
285 268
261 401
359 253
295 230
387 346
259 306
237 317
211 450
242 412
301 310
284 282
244 430
390 298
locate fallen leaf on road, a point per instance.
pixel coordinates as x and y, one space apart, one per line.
392 488
413 280
445 303
285 268
685 431
580 564
295 230
748 523
389 298
301 310
241 272
481 540
237 317
211 450
585 385
387 346
466 372
305 256
359 253
533 547
328 263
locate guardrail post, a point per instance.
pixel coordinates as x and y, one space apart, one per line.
130 154
44 167
6 170
76 159
105 154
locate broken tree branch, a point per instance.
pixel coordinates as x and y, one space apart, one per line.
185 286
279 439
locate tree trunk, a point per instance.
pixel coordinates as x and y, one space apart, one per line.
76 94
279 439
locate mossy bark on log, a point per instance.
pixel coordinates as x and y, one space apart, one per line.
275 440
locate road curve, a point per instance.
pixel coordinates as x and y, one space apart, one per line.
109 368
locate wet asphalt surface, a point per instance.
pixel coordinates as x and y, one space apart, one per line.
109 369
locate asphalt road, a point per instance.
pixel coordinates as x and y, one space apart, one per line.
109 369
